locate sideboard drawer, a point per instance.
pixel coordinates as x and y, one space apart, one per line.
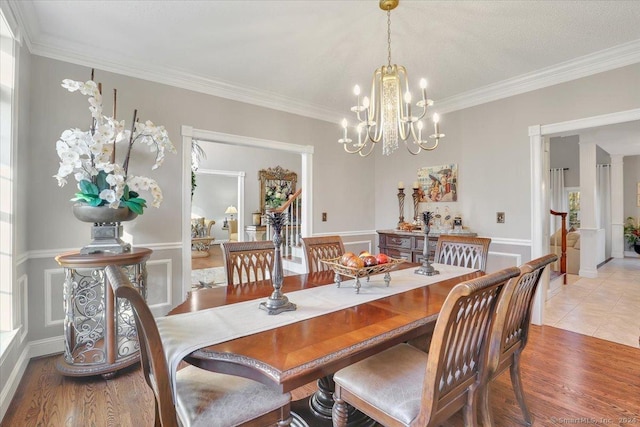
403 242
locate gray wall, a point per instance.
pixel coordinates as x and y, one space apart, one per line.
565 153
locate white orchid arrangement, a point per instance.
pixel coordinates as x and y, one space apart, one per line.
90 155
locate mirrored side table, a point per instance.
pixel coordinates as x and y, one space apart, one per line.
99 329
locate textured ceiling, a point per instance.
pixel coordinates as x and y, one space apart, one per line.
305 56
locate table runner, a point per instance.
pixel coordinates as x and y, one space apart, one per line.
182 334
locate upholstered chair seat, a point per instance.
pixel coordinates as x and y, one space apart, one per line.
206 398
392 381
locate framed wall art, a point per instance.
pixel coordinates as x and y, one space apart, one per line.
439 183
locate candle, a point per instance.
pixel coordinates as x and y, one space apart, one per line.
400 185
344 129
416 184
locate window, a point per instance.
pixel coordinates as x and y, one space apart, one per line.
572 195
7 74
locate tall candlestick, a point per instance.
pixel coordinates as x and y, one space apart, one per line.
401 205
426 269
416 199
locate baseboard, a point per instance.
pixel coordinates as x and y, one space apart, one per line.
11 384
46 347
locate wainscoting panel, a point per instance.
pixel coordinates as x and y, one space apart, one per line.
22 307
159 285
358 246
53 297
499 260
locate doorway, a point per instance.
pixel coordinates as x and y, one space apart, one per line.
306 175
540 186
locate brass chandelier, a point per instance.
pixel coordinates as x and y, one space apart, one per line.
387 115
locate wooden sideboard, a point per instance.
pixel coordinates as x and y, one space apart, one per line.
409 244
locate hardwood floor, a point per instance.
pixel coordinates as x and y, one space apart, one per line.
569 379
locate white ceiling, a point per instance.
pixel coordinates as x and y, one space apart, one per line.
305 56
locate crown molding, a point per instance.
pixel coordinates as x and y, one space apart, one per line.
184 80
598 62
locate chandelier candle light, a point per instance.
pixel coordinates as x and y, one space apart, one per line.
386 116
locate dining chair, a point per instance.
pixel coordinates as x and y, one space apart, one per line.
202 398
463 251
323 247
509 337
404 386
248 262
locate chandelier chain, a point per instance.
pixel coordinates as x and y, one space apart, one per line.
389 37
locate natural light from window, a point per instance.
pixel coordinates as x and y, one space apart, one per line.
7 67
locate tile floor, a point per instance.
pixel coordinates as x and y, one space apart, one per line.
607 307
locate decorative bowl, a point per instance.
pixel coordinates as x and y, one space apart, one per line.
357 273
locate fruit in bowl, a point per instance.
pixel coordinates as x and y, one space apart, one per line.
364 254
344 259
382 258
355 262
369 260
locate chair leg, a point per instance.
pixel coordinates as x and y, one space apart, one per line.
486 418
470 412
339 412
285 421
516 382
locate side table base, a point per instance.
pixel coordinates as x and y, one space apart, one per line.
107 371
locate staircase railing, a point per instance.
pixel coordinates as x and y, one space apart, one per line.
291 232
563 245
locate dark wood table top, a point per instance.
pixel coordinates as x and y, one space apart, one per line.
294 355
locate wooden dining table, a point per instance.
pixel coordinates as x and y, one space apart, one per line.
296 354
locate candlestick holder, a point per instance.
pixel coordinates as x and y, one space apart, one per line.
416 200
277 302
426 269
400 206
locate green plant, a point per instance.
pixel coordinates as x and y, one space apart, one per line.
90 194
631 230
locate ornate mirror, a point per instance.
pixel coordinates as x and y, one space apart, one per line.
276 185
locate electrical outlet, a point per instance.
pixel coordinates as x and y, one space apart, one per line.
500 217
324 217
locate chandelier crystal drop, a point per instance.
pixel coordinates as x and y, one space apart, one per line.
387 115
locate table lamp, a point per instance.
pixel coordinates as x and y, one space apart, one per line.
231 210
